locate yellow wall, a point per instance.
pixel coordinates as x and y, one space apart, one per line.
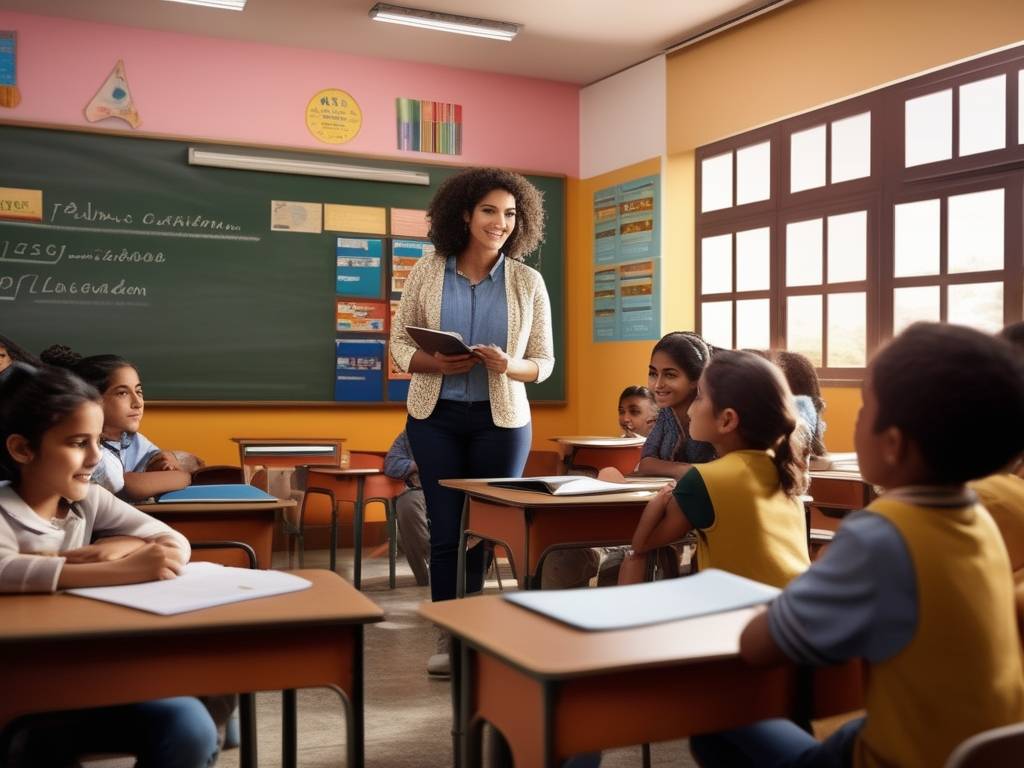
798 57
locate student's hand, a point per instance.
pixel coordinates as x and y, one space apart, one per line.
151 562
611 475
451 365
163 462
104 550
494 358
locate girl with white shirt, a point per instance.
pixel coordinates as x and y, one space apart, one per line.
58 530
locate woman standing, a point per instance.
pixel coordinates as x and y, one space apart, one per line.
468 414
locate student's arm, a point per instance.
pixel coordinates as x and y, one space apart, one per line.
153 561
104 550
118 518
661 523
142 485
164 461
651 465
757 646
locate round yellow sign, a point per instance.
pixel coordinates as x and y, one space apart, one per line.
333 116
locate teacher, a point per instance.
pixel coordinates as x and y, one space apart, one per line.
468 414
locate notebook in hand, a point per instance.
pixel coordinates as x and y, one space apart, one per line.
208 493
573 485
431 341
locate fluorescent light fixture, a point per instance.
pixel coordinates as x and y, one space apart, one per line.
303 167
226 5
444 22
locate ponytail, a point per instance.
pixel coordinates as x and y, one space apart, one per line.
790 459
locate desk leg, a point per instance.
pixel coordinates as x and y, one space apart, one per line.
459 693
334 535
356 735
247 725
460 562
289 728
357 534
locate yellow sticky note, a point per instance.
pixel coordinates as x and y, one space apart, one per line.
21 204
366 219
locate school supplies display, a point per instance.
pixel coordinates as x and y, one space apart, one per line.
636 605
432 342
215 493
572 485
201 585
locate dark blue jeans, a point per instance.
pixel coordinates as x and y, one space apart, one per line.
459 440
776 744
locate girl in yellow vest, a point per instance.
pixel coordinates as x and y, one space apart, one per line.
744 505
919 583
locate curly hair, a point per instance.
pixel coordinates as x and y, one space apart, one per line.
459 195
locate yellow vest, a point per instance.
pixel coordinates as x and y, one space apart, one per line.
961 673
759 532
1003 496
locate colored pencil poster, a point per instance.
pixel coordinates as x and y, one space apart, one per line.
360 316
606 225
404 255
359 372
360 267
639 302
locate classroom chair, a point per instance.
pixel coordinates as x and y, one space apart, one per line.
323 507
218 474
990 749
543 464
590 460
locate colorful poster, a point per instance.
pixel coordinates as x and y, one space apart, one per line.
605 304
394 373
429 126
360 267
404 255
637 213
113 99
366 219
287 216
360 316
333 116
10 96
359 370
606 225
408 222
639 303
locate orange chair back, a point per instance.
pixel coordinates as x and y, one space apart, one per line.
543 463
623 458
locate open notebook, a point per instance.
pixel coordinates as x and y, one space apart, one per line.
636 605
208 493
573 485
202 585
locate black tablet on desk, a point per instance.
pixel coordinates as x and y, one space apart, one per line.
431 341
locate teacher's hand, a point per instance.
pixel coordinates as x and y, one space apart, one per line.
451 365
494 358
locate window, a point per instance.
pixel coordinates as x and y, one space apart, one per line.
829 232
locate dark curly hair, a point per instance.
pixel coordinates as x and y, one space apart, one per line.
459 194
96 370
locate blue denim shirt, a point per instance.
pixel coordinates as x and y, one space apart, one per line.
131 453
480 314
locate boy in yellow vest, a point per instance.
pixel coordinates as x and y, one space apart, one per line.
919 583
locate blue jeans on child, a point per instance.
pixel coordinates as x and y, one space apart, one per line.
776 744
166 733
460 440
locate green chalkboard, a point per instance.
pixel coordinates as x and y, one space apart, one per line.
176 268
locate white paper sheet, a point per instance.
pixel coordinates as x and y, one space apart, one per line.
202 585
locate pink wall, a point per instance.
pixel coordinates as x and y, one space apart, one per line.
211 88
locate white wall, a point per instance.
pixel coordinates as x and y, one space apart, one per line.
622 119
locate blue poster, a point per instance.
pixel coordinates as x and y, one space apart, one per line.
639 302
606 225
398 390
8 58
360 267
605 304
638 212
359 370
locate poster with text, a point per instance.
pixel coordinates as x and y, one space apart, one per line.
360 267
639 302
404 255
606 225
605 304
638 209
359 371
360 316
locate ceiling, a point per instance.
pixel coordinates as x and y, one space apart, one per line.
575 41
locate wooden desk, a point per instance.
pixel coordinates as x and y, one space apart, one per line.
554 691
286 452
589 453
252 522
834 494
530 524
327 480
73 652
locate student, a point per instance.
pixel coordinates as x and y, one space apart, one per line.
803 383
677 362
58 530
131 466
637 411
410 509
11 353
744 505
918 584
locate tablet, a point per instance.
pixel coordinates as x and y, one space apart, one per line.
431 341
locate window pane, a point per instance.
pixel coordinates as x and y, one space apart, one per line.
716 183
851 148
753 324
807 159
753 260
754 173
847 247
979 305
803 252
716 323
912 304
916 243
983 115
928 128
847 330
716 264
803 326
976 231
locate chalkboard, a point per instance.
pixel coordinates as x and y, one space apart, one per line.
176 268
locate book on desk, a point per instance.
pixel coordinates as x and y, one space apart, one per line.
573 485
231 492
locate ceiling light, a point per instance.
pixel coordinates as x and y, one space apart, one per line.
303 167
227 5
444 22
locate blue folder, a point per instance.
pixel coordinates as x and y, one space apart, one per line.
208 493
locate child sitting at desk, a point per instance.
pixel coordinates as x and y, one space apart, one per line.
803 383
410 508
131 466
58 530
637 411
918 584
745 505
